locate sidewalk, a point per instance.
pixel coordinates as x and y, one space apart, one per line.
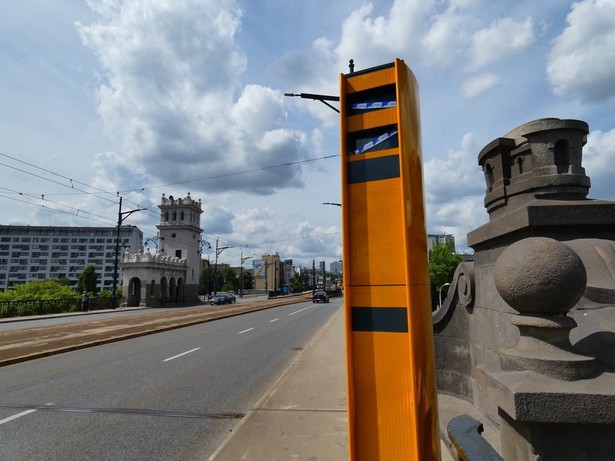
304 415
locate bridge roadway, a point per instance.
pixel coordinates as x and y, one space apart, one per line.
23 344
267 429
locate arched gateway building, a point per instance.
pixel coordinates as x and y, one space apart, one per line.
171 275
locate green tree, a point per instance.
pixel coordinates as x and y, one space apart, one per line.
108 293
230 280
300 282
442 264
64 281
38 289
206 281
88 280
245 280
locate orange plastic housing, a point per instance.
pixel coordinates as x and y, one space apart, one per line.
390 354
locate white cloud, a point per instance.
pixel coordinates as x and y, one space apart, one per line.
457 171
173 70
309 241
599 164
372 41
501 39
449 34
582 60
479 85
458 216
454 191
445 40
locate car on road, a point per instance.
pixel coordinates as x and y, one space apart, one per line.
320 296
219 298
230 297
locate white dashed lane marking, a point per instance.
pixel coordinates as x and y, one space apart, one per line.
182 354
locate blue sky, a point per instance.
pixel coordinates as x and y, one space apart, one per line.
147 97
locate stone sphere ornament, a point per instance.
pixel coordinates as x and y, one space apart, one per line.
540 275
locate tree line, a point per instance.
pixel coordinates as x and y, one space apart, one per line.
57 289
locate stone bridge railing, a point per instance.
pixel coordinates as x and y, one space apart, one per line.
527 332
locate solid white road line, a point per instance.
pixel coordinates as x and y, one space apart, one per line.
245 331
183 353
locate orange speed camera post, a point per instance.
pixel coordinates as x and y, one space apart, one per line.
390 355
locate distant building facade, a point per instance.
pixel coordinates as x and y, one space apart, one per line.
440 239
29 253
336 268
268 273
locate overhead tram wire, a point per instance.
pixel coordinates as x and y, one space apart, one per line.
225 175
50 208
152 214
46 200
56 174
151 187
72 181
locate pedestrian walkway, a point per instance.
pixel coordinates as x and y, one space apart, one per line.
304 415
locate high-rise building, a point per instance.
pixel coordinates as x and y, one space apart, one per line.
336 268
440 239
29 253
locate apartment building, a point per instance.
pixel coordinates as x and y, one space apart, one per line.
440 239
30 253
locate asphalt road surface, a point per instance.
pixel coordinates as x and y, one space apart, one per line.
168 396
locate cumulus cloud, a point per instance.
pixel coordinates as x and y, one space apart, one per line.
457 170
582 60
501 39
370 40
309 241
218 219
446 40
457 36
454 191
598 155
478 85
173 74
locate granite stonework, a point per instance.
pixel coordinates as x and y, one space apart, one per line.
527 331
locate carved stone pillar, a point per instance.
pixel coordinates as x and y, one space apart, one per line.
547 394
543 279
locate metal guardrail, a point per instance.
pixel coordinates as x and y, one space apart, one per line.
465 434
26 308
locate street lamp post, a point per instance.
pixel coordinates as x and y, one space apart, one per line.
121 215
241 273
440 292
218 251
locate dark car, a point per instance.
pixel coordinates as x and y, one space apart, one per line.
230 297
320 296
219 298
